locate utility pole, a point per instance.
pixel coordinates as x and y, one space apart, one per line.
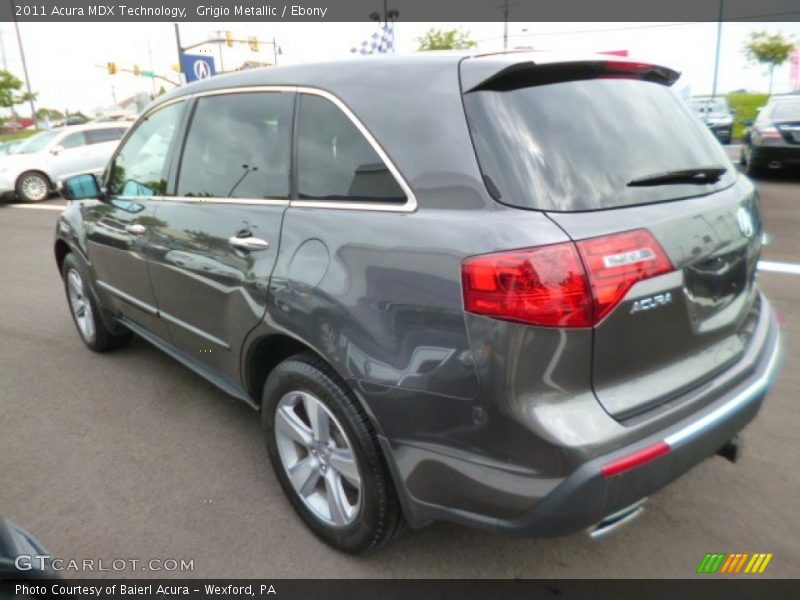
3 49
220 34
152 68
180 48
24 66
506 6
716 58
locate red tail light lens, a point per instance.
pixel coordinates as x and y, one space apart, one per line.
616 262
769 133
549 286
540 286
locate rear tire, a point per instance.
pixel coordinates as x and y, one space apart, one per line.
33 186
340 484
752 171
85 310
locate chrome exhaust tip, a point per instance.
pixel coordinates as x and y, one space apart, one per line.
617 521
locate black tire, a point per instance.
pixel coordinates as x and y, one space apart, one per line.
379 518
753 171
30 181
101 339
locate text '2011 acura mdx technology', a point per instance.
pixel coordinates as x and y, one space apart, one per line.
515 291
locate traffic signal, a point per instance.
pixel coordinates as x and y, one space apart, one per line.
136 70
112 68
253 43
229 39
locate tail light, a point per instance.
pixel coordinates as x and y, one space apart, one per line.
616 262
769 133
562 285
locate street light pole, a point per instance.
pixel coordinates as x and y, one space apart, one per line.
716 58
24 67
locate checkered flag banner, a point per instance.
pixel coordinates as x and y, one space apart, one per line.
381 42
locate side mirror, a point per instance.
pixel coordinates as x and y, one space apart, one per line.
81 187
56 150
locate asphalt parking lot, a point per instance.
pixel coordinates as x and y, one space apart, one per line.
130 455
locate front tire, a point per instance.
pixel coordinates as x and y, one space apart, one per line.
326 456
33 187
85 311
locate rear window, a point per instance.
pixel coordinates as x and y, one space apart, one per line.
787 110
575 145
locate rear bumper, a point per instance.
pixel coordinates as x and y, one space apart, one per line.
723 132
584 496
762 156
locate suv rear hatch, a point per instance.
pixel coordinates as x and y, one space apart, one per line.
604 148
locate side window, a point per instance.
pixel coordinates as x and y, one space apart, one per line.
139 168
99 136
73 140
238 147
335 161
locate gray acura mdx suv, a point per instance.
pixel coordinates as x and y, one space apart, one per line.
516 291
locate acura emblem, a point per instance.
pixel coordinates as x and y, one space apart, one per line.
745 222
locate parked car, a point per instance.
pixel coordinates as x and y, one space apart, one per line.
716 113
10 147
504 298
772 142
39 162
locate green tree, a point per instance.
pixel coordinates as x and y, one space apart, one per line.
9 91
439 39
770 49
51 113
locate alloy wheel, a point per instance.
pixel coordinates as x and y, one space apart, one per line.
80 305
34 188
318 458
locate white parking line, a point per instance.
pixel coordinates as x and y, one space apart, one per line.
40 206
779 267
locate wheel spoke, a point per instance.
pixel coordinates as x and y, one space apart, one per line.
305 475
288 423
75 284
337 501
318 417
343 461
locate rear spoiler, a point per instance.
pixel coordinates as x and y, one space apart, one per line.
495 75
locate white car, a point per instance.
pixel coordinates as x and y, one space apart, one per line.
39 163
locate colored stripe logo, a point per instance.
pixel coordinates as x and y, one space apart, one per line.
735 562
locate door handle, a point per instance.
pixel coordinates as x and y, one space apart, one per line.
248 243
135 229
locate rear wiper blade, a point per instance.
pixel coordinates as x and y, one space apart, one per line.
700 175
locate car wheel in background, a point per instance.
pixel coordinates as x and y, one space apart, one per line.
751 169
33 186
84 309
326 456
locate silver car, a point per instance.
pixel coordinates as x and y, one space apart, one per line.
39 163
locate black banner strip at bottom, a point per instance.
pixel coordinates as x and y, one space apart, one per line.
416 589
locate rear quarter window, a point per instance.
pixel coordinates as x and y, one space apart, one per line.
575 145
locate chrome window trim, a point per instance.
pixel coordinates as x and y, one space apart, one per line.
203 200
410 205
